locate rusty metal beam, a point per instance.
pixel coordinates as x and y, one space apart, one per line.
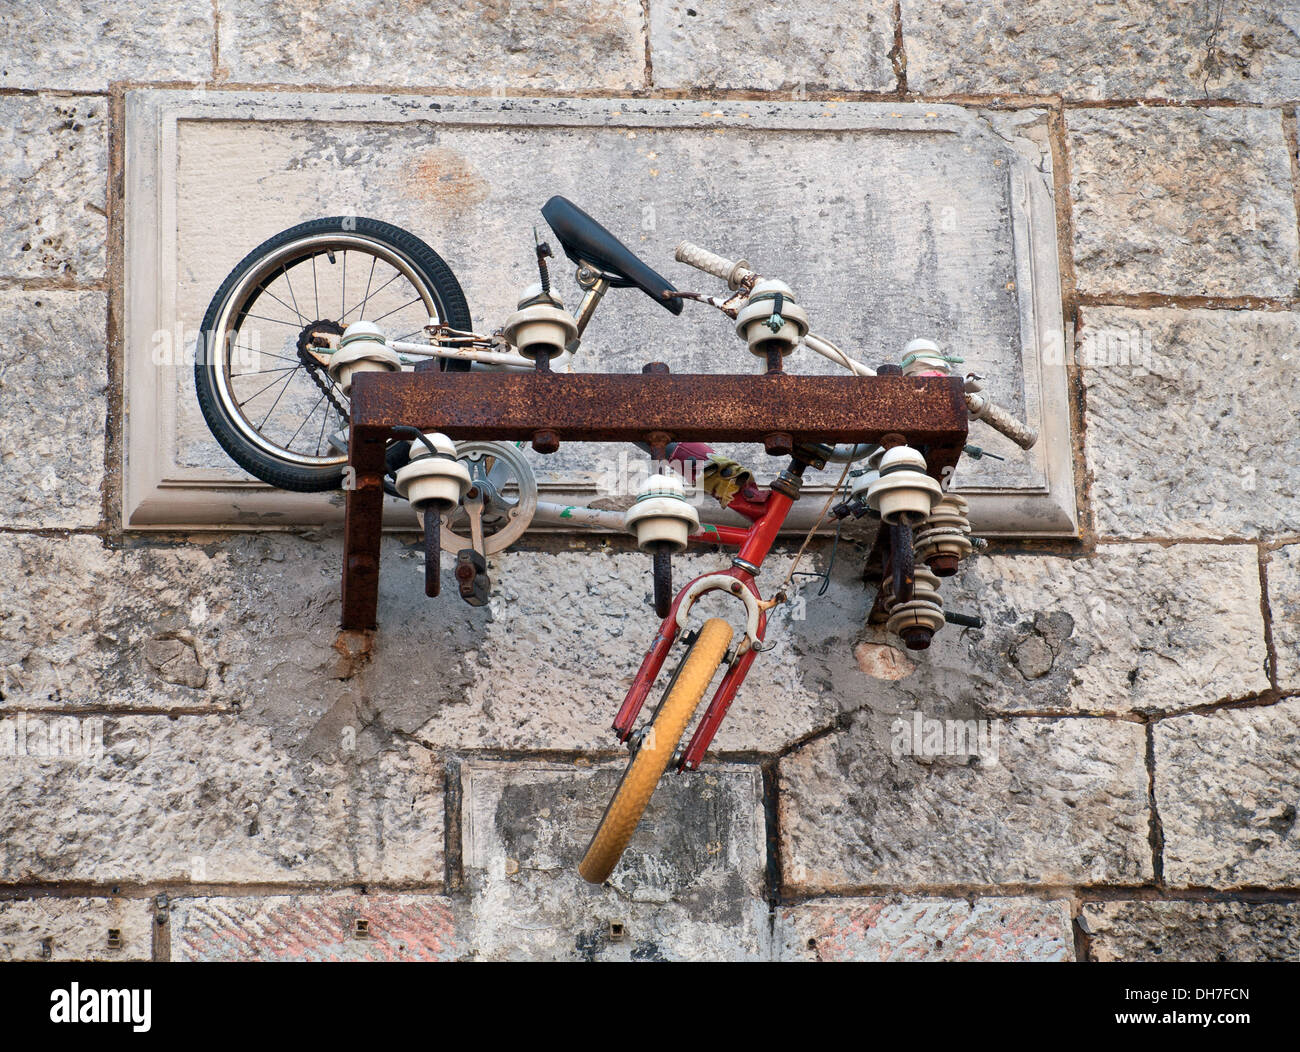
929 412
621 407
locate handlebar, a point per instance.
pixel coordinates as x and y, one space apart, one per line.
734 274
1001 420
737 273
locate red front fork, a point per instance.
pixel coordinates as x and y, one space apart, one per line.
755 543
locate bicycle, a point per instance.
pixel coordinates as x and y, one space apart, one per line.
487 491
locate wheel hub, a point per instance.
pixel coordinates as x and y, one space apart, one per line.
320 327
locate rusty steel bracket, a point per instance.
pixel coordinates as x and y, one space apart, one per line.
929 412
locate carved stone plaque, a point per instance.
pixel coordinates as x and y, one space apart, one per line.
890 221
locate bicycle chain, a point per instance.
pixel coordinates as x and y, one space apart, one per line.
326 386
313 366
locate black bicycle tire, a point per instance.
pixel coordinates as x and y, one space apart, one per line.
432 270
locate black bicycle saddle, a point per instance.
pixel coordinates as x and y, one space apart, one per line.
587 242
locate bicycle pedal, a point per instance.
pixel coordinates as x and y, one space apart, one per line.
472 577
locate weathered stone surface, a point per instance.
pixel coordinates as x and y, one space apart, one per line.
1053 802
729 44
1185 411
689 887
1166 49
1182 201
1283 572
482 45
53 174
1133 628
55 370
1227 789
925 929
1192 931
250 621
55 929
564 637
314 928
84 45
211 798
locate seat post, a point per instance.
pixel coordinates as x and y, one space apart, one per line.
595 285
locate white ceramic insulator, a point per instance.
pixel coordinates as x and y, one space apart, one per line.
752 321
362 356
439 441
862 485
925 608
903 492
946 531
433 482
929 358
662 514
544 328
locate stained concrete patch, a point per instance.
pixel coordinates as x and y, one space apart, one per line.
689 886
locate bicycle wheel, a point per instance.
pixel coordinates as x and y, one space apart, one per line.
656 751
267 399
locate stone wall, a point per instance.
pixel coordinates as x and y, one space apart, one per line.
234 780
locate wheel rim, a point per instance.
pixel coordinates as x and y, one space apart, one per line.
263 386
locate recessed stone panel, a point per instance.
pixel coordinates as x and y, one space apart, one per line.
891 222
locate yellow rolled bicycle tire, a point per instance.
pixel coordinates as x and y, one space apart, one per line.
651 760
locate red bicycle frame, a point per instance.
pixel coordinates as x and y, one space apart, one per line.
754 542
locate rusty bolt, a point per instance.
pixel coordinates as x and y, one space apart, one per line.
779 444
546 441
892 439
658 443
942 565
916 637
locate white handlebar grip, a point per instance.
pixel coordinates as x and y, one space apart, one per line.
1002 421
711 263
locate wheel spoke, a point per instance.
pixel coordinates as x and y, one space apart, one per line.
270 354
324 421
417 299
287 381
284 269
273 321
371 278
259 372
263 288
265 389
310 414
362 304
